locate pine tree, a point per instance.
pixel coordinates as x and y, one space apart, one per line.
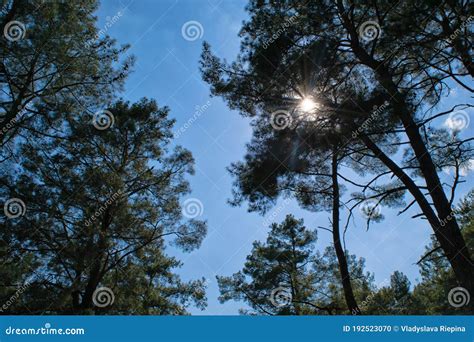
101 203
286 276
355 42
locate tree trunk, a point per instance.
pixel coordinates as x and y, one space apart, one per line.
449 236
340 253
439 227
96 269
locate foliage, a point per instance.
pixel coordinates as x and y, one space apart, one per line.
286 275
55 61
101 205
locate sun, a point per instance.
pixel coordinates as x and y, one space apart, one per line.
308 105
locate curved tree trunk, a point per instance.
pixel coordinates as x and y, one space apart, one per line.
340 253
438 226
449 236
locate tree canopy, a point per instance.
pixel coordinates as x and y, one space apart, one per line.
344 99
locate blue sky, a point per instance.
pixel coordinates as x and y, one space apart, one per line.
167 70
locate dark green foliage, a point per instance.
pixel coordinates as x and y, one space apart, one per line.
56 61
437 277
101 205
100 184
286 276
349 56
